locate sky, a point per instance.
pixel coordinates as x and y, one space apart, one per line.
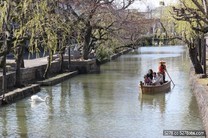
142 4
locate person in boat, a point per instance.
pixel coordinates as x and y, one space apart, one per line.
158 79
154 76
147 80
150 74
162 69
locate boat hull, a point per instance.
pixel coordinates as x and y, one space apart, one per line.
151 89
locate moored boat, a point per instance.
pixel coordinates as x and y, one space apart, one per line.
152 89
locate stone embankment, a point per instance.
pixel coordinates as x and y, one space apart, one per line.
20 93
200 90
57 79
34 69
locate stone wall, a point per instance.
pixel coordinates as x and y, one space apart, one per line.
32 74
10 79
29 75
85 66
201 94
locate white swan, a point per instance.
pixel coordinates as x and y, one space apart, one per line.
36 98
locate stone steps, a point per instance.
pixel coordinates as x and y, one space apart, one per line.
57 79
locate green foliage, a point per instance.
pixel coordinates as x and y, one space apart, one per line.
103 53
145 41
190 15
39 24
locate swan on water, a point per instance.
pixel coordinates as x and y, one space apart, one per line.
36 98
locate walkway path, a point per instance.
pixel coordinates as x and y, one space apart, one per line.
32 62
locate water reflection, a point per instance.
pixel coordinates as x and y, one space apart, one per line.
108 104
156 101
36 104
3 122
21 121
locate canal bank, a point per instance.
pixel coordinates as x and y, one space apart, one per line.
32 80
200 90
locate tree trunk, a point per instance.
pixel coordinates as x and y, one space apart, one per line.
45 75
87 39
4 80
61 56
69 58
85 52
199 48
22 61
61 62
19 64
196 63
203 56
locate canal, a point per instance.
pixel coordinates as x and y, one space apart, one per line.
109 104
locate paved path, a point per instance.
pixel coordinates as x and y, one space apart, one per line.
28 63
35 62
32 62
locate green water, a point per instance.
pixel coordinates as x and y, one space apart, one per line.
109 104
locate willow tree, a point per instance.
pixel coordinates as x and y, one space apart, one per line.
60 23
64 29
43 27
21 13
192 14
193 41
5 29
21 16
29 18
167 29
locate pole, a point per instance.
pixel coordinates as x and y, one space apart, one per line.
170 78
69 58
205 72
204 43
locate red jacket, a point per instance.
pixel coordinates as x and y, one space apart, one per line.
162 69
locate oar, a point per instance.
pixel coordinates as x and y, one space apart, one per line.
170 77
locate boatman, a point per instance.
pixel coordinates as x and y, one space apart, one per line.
162 69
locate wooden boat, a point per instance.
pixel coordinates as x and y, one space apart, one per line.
152 89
